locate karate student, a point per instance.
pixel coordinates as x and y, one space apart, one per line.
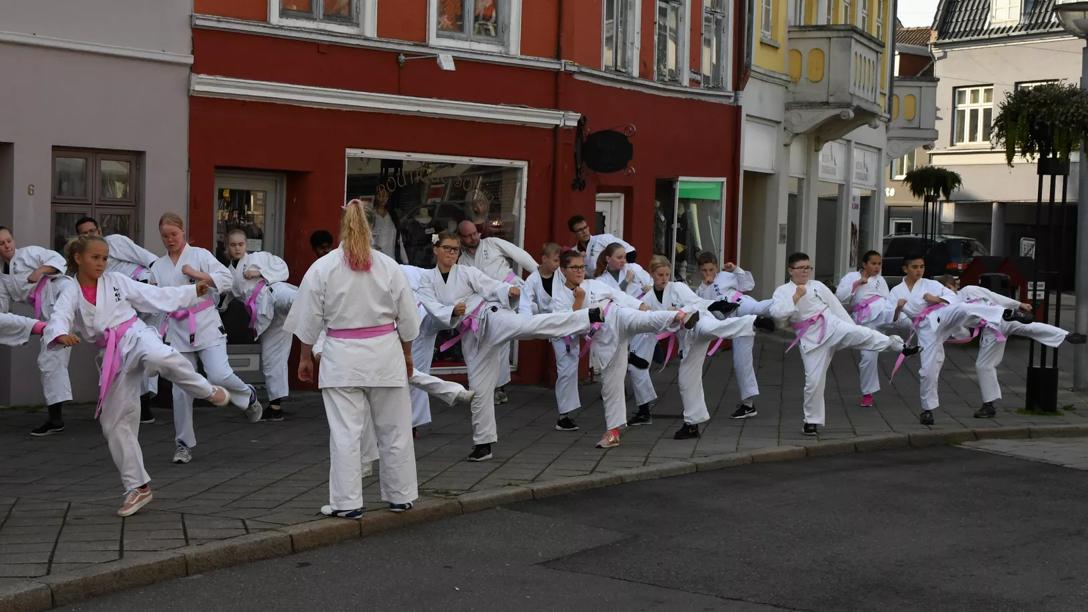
994 334
16 330
480 308
360 298
730 284
197 331
613 269
492 256
321 242
35 275
536 298
670 295
591 245
101 307
864 293
620 317
260 282
823 327
930 311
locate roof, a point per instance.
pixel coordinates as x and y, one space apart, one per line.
970 20
913 36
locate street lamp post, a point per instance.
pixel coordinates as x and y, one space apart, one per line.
1074 18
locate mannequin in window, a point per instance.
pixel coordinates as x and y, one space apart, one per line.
385 227
415 237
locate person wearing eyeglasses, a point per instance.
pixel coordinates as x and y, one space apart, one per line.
823 327
590 245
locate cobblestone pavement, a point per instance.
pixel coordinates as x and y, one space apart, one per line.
58 494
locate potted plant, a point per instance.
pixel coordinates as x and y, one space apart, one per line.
932 183
1046 122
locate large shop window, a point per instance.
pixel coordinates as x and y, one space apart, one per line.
95 183
488 25
688 215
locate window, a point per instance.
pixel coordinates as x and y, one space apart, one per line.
621 36
847 14
797 12
336 11
974 115
879 26
863 14
688 219
829 13
715 56
346 16
671 39
1004 12
487 25
95 183
767 27
903 165
1034 84
901 225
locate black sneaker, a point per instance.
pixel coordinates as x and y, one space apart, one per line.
743 412
566 424
145 415
763 323
480 452
1075 338
724 307
691 320
686 432
595 315
1018 315
926 418
641 418
273 416
809 429
911 350
47 428
988 411
400 507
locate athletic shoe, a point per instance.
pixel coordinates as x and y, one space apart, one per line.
595 315
400 507
1018 315
724 307
866 401
926 418
566 424
355 514
146 417
809 429
744 411
988 411
464 398
1075 338
686 432
911 350
134 500
763 323
691 320
643 417
480 452
47 428
274 416
219 397
501 397
183 454
254 411
610 439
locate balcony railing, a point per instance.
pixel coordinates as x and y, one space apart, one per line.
835 66
913 115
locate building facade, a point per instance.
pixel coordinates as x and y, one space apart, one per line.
96 123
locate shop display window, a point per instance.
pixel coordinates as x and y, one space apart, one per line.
688 219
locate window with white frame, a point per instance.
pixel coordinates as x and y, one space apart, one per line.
879 25
487 25
863 14
1004 12
621 35
847 12
671 40
903 165
715 56
336 11
348 16
829 12
767 19
796 15
974 114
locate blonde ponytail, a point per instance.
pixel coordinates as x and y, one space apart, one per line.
355 236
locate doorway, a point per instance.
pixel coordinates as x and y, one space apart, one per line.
609 214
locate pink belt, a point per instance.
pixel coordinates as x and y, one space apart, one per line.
593 329
670 348
251 304
975 331
136 273
363 333
861 311
35 297
186 313
111 360
916 321
802 328
736 297
470 323
511 277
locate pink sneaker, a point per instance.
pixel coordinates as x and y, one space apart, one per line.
610 439
866 401
134 500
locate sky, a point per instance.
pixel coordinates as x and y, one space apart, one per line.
915 13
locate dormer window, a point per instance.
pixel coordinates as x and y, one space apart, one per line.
1005 12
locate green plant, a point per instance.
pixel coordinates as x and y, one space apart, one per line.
932 183
1049 120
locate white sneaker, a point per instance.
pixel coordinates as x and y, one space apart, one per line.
465 397
219 397
183 454
255 410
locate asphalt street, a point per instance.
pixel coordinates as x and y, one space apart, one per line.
942 528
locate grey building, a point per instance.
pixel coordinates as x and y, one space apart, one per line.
95 121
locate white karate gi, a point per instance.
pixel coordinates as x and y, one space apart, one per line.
364 382
423 384
210 339
642 345
731 287
271 305
868 306
835 331
535 299
15 330
611 341
141 351
134 261
53 364
488 300
598 243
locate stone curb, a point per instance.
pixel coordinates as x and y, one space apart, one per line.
141 569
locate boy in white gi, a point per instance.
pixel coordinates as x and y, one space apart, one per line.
197 332
864 293
36 276
823 327
100 307
619 317
729 285
993 336
260 283
480 308
669 295
361 300
590 245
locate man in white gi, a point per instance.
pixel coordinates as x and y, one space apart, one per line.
590 245
823 327
864 293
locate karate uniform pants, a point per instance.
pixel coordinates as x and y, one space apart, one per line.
567 398
932 336
422 356
219 372
838 335
53 365
275 351
744 369
622 324
422 384
868 366
697 342
991 351
120 417
483 355
642 386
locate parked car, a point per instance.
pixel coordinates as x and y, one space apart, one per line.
945 255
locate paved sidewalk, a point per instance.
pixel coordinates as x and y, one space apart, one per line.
58 494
